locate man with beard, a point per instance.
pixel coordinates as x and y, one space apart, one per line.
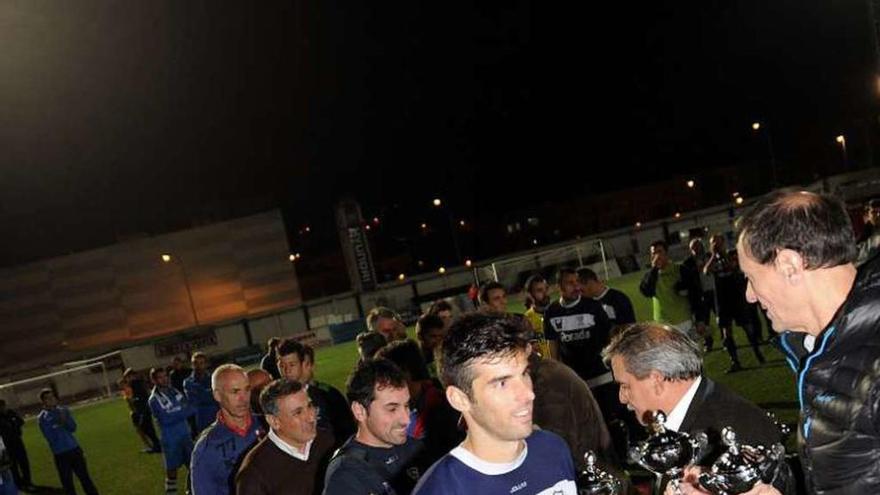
539 297
380 458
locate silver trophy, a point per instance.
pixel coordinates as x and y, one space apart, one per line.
738 469
594 481
666 452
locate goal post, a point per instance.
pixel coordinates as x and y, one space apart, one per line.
83 383
512 271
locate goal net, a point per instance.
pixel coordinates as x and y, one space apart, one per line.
85 382
513 271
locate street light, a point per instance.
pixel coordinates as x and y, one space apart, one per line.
841 140
756 126
690 183
452 229
166 258
401 277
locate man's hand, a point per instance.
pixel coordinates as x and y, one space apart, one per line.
763 489
688 483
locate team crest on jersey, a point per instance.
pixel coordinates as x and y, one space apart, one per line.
413 473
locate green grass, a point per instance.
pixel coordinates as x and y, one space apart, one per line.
113 449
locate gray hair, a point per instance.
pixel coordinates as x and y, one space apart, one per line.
276 390
380 312
651 346
222 370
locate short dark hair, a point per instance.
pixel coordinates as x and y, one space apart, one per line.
45 392
273 342
477 336
485 288
407 355
816 226
660 243
562 272
428 322
155 371
291 346
532 280
275 390
370 376
369 343
308 353
587 275
438 306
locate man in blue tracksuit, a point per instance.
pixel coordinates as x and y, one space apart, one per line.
170 408
224 443
57 425
198 391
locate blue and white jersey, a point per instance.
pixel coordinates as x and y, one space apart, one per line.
543 468
170 408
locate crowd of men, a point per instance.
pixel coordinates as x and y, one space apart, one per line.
493 402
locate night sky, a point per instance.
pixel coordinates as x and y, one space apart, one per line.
126 118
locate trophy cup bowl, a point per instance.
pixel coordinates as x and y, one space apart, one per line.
594 481
741 467
666 452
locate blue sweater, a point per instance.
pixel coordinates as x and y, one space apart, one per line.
57 425
199 394
170 408
217 455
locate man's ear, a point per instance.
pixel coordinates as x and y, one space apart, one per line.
359 412
273 421
791 265
458 399
658 383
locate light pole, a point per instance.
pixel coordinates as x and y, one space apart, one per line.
438 203
756 127
841 140
166 258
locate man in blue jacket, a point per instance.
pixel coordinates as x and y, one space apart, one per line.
197 388
57 425
222 445
170 408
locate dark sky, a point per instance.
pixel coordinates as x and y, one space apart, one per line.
118 118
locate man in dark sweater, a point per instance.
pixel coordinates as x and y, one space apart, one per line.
293 457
